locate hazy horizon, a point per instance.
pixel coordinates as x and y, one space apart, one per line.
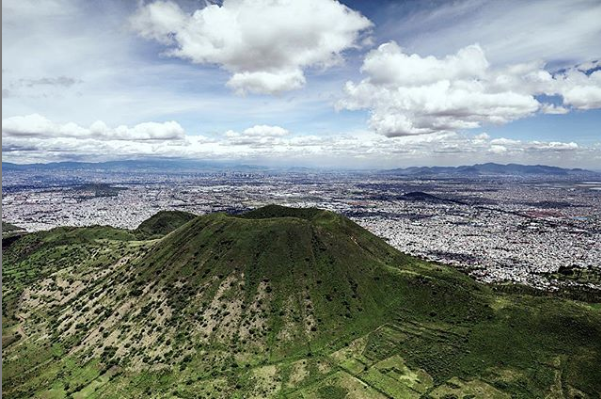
283 166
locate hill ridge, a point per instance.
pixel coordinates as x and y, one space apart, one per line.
272 305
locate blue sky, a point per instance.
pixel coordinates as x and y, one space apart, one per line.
318 83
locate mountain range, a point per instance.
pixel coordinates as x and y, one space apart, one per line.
172 166
276 302
488 169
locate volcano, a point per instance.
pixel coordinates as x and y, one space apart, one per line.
276 302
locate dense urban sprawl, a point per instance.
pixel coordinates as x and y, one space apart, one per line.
497 229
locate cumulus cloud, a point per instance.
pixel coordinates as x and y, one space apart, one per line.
37 126
265 44
553 146
502 145
257 136
553 109
498 149
275 144
580 89
390 66
266 131
411 95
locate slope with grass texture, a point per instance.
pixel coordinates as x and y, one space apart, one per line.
10 232
8 228
277 302
163 223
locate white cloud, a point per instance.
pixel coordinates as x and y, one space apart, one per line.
498 149
265 44
390 66
35 125
159 21
505 142
412 95
580 90
553 109
267 82
553 145
257 136
266 131
265 144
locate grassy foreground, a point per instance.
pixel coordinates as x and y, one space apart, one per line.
276 303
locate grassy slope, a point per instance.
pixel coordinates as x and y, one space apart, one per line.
8 228
10 232
163 222
279 302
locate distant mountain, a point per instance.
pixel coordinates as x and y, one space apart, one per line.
418 196
175 166
277 302
489 169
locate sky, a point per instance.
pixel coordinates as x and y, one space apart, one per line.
320 83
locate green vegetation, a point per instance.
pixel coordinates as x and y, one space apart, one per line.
10 230
163 223
580 275
278 211
278 302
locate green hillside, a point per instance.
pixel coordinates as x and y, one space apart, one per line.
163 223
7 227
278 302
9 230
